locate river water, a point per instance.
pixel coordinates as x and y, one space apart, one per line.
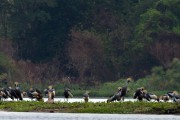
70 100
82 116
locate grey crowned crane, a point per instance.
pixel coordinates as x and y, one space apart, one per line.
176 98
50 91
86 96
67 94
139 94
16 93
4 93
164 97
124 89
150 96
34 93
172 93
116 96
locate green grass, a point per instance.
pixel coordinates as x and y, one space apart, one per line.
76 107
105 89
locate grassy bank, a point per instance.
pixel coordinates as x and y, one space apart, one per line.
117 107
105 89
109 88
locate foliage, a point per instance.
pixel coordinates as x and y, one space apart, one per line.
166 79
5 63
158 19
8 71
94 41
158 28
161 81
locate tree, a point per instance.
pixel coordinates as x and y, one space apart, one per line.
4 16
168 79
86 53
158 29
29 22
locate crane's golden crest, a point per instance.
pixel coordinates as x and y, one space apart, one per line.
145 91
119 88
16 83
175 92
129 79
50 87
142 88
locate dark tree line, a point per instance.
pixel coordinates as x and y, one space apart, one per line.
93 40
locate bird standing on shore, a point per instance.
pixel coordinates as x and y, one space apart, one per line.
150 96
139 94
116 96
124 89
34 93
50 91
164 97
86 96
174 96
5 94
67 94
16 92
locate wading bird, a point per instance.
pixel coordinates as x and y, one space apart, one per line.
172 94
139 94
164 97
176 98
67 94
5 93
34 93
16 92
116 96
86 96
150 96
124 89
50 91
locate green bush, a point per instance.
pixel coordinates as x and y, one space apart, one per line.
6 69
5 63
166 79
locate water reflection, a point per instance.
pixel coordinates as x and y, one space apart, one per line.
79 116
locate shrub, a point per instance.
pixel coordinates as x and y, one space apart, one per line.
161 79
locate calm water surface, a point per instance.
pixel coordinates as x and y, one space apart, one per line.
79 116
70 100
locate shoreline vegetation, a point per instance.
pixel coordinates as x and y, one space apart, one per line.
108 88
101 107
